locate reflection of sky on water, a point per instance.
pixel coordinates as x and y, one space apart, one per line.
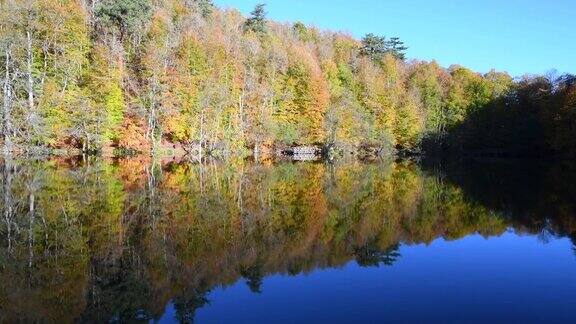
508 278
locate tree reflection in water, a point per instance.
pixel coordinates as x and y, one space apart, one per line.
118 240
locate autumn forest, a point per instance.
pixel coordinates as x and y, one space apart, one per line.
127 76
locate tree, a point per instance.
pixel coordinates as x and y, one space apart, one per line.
396 47
193 71
302 31
8 78
408 126
71 117
380 94
257 20
302 107
375 47
125 16
105 84
468 92
427 79
206 7
158 99
22 35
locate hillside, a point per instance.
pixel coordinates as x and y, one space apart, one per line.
139 76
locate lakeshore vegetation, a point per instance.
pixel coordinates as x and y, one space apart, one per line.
140 75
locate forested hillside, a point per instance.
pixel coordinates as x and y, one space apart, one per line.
142 75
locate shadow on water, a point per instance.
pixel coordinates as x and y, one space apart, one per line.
101 241
530 194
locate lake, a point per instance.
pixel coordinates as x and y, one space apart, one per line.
132 240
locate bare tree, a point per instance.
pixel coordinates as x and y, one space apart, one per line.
7 88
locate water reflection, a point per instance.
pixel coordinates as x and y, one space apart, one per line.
105 241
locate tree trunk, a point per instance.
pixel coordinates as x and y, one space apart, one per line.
241 112
201 146
31 114
152 114
7 107
29 62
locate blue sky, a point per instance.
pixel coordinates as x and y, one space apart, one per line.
518 36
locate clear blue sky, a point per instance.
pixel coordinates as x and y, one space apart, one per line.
518 36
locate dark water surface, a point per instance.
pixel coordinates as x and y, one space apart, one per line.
348 242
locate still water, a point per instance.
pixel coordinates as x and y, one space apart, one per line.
346 242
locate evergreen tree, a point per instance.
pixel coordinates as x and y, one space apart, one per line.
257 20
206 7
396 47
126 16
374 47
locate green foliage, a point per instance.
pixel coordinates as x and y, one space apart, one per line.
193 67
115 106
528 119
426 79
105 83
126 16
345 75
500 84
257 20
304 33
375 47
302 106
206 7
408 127
468 92
296 98
397 48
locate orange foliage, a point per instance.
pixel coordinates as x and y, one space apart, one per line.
133 135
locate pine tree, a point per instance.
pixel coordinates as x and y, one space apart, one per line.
396 47
373 47
257 20
376 47
206 7
126 16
